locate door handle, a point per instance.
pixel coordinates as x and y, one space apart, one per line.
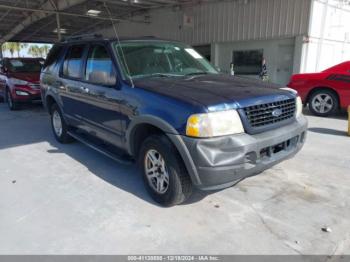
85 89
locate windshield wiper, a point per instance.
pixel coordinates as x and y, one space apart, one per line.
158 75
197 73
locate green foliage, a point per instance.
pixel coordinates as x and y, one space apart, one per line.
37 51
33 50
12 47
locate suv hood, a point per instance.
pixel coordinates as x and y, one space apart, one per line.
216 92
30 77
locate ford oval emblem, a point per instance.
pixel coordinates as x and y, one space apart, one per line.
277 112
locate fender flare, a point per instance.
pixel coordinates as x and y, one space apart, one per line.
174 137
54 95
146 119
57 101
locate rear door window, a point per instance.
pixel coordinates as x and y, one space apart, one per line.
100 61
73 61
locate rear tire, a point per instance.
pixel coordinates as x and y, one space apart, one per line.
323 103
10 102
59 126
164 174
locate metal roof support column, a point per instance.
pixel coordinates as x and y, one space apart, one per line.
58 26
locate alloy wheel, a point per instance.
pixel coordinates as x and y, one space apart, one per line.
322 103
57 123
156 171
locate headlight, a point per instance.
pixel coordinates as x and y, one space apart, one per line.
299 109
291 90
21 93
214 124
15 81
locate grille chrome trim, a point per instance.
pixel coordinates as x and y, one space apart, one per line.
35 86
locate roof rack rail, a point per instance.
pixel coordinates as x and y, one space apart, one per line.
82 37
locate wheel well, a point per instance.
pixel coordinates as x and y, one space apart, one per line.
49 102
322 88
139 134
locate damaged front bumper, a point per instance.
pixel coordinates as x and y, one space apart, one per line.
217 163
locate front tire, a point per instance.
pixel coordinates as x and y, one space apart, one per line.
10 102
59 126
323 103
164 174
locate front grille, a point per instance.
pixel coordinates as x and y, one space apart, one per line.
34 86
271 113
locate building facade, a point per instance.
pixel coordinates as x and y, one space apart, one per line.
292 36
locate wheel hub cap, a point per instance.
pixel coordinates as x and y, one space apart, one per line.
156 171
57 123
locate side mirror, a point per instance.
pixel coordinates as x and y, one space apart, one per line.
101 77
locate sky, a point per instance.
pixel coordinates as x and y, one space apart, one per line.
23 52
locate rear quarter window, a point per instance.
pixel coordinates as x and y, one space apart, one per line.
52 59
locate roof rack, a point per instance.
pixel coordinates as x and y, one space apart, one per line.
82 37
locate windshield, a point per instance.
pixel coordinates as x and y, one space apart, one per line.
149 58
24 65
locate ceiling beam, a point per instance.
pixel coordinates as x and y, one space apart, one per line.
36 15
50 12
39 14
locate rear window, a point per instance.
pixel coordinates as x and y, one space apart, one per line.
52 58
73 61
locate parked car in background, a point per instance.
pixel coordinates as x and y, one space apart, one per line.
20 80
163 105
324 92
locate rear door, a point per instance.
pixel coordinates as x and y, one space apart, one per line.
99 101
70 85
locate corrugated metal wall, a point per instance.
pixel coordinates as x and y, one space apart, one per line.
234 20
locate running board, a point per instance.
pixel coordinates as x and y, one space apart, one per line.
85 140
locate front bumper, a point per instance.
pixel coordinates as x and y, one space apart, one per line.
217 163
32 94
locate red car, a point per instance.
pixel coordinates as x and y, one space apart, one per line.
324 92
19 80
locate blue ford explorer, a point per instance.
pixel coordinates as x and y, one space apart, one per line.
160 103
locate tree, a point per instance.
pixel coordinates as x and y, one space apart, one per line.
34 50
45 50
17 48
12 47
23 45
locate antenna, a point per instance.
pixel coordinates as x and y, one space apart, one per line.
122 56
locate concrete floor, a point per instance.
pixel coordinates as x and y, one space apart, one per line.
69 199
